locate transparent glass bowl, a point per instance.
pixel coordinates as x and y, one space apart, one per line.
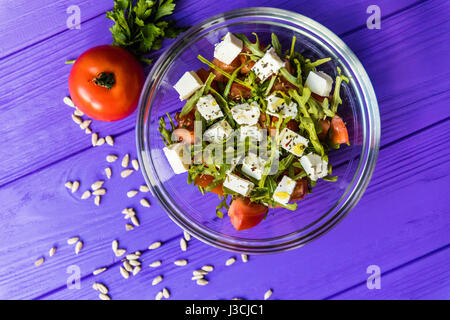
329 201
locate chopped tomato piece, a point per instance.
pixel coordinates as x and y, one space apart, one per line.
184 135
204 74
229 68
325 126
338 132
238 90
187 121
204 180
245 214
300 190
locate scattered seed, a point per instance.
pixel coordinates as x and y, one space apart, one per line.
99 192
68 184
127 266
144 202
132 256
230 261
39 261
125 160
109 140
132 193
108 172
166 293
103 296
144 188
155 264
88 131
135 263
97 185
78 247
85 124
120 252
86 194
244 257
199 272
135 164
97 200
181 262
115 245
135 221
197 277
124 273
155 245
111 158
73 240
76 119
101 287
52 251
202 282
94 139
208 268
268 294
187 236
159 295
78 112
128 227
100 142
128 212
126 173
136 270
75 186
183 244
157 280
98 271
69 102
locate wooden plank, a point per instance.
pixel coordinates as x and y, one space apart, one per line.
387 233
400 88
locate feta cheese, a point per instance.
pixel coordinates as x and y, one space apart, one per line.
314 166
174 154
246 114
284 190
188 84
293 142
253 132
319 82
276 107
253 166
269 64
209 108
238 184
218 132
228 49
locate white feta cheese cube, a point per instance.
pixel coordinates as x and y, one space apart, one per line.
253 132
269 64
315 167
246 114
253 166
228 49
277 106
238 184
284 190
174 154
293 142
319 82
209 108
218 132
188 84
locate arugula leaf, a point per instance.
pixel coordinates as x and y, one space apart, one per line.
337 86
276 44
254 47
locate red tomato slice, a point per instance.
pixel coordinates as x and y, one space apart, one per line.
338 132
300 190
205 180
245 214
325 125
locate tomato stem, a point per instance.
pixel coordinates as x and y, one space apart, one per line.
105 79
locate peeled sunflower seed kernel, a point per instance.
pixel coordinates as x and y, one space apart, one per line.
135 164
97 200
268 294
135 221
124 273
120 252
39 261
73 240
187 236
131 193
111 158
155 245
115 245
94 139
244 257
144 188
100 142
75 186
68 184
98 271
86 194
127 266
78 247
183 244
109 140
97 185
132 256
76 119
157 280
88 130
125 173
102 288
159 295
135 263
108 172
68 101
166 293
136 270
128 227
202 282
144 202
52 251
103 296
99 192
230 261
125 160
181 262
197 277
155 264
78 112
208 268
85 124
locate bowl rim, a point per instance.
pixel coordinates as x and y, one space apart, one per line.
369 151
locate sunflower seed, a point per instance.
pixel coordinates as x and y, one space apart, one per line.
128 227
135 221
128 212
97 200
98 271
136 270
197 277
101 287
208 268
166 293
144 202
157 280
78 247
111 158
125 160
199 272
155 245
135 164
68 184
120 252
94 139
127 266
183 244
115 245
86 194
187 236
126 173
75 186
155 264
109 140
124 273
100 142
52 251
88 131
230 261
132 256
108 172
244 257
268 294
97 184
78 112
159 295
132 193
99 192
135 263
95 286
85 124
73 240
68 102
144 188
103 296
202 282
76 119
181 262
39 261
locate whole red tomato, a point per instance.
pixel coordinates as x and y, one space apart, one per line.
105 83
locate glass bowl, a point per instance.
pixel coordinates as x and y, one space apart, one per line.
328 203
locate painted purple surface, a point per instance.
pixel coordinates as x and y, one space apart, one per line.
401 224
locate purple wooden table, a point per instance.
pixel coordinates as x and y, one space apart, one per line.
401 225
